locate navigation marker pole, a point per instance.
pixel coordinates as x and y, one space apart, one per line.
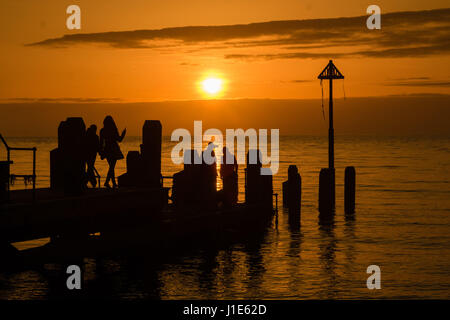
327 192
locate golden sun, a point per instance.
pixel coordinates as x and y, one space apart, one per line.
212 86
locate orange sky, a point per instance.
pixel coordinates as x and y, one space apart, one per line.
278 61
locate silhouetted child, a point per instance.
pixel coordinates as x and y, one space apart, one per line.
109 146
92 146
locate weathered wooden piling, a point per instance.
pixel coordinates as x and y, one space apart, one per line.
178 189
151 152
135 167
193 171
61 135
57 161
208 178
144 168
252 177
326 194
67 164
349 190
134 164
292 189
187 184
230 189
266 190
258 188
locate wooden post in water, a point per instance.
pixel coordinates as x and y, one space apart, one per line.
285 194
258 188
187 184
330 72
326 209
253 174
292 191
350 190
266 190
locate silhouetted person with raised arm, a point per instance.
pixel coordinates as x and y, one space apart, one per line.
109 144
92 146
229 176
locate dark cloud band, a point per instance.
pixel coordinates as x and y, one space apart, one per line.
403 34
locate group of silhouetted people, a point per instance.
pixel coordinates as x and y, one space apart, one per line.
107 146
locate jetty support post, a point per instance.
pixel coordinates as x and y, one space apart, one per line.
135 168
178 189
349 190
285 189
208 186
258 187
186 188
67 166
56 161
253 174
266 190
292 190
326 194
151 152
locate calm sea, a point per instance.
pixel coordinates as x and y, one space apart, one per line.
402 224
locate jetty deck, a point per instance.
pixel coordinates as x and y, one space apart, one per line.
129 221
55 214
137 215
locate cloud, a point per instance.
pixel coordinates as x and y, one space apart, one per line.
60 100
385 53
298 81
402 34
419 82
189 64
411 78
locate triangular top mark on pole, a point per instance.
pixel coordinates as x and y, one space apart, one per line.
330 72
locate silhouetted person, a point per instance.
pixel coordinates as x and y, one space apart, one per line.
229 176
109 146
92 146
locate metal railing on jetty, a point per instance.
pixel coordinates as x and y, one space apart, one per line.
26 177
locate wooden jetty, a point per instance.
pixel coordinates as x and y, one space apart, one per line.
138 216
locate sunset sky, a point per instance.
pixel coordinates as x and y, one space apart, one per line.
153 51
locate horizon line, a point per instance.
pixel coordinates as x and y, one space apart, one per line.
6 101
